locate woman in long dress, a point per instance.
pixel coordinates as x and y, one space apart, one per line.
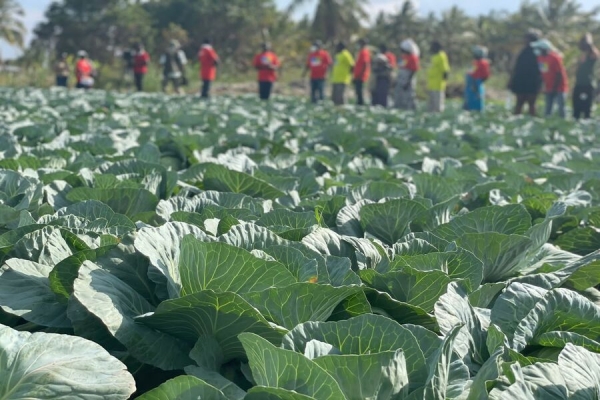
382 78
475 80
406 83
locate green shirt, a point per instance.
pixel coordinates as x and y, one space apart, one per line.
435 73
342 67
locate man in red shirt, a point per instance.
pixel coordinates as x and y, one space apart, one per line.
362 70
318 62
209 59
554 75
84 71
141 59
267 64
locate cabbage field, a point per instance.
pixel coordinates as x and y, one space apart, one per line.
160 248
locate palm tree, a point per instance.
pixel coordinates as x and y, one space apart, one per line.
12 29
335 19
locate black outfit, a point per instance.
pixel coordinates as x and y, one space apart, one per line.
139 81
62 81
205 89
359 87
526 80
583 100
585 87
317 90
264 89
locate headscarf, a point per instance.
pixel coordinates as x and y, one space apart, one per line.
480 51
543 44
82 54
410 47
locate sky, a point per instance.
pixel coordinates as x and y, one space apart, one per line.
34 10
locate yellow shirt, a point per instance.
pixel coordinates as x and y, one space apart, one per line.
435 73
342 67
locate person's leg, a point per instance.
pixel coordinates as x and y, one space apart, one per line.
205 89
520 103
313 91
577 102
138 81
360 100
269 89
335 94
561 99
321 89
589 101
549 104
532 104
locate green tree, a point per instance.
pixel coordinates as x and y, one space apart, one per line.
12 29
335 19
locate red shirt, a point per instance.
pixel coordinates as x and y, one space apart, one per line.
319 62
392 59
208 58
140 62
552 66
83 69
481 69
410 62
362 70
262 61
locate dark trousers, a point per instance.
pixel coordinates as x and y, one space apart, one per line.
62 81
317 90
205 94
264 90
583 99
526 98
359 89
139 81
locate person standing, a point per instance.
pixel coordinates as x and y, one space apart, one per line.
141 59
554 76
341 75
61 70
475 80
209 60
362 71
84 71
390 56
526 78
267 64
437 78
406 84
585 82
319 61
382 78
173 62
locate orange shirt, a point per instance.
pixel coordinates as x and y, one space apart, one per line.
481 69
551 66
262 62
83 69
410 62
319 62
362 70
208 58
392 59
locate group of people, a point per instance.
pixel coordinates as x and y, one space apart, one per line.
538 68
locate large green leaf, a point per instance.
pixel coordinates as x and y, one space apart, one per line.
581 370
286 369
25 291
162 247
221 267
116 304
559 310
184 387
130 202
365 334
508 220
580 241
302 302
391 220
222 316
47 366
368 376
221 179
501 254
